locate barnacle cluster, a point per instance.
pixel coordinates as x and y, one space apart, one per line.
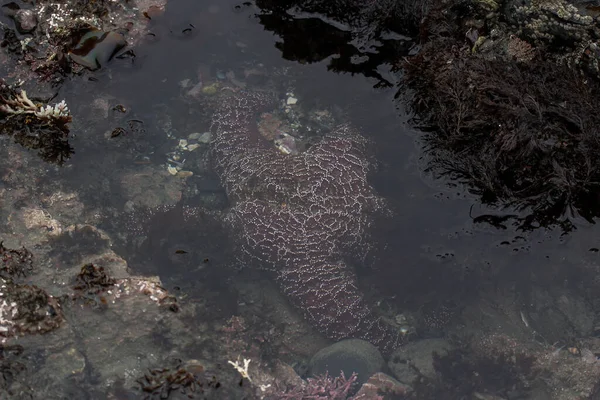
550 20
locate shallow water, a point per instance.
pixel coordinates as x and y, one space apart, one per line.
434 254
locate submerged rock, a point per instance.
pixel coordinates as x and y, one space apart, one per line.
349 356
25 21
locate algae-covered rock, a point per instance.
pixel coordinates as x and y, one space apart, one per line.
349 356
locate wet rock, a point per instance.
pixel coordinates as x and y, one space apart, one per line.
25 21
12 370
150 188
296 336
381 384
76 243
350 356
414 360
555 373
65 363
39 219
65 205
558 313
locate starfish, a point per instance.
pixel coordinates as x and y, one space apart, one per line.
301 215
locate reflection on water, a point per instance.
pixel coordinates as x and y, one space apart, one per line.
133 224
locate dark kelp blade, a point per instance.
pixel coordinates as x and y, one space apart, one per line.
96 48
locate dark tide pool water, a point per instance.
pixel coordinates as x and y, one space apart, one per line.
433 254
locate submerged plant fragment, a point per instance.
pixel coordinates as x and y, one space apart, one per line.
36 126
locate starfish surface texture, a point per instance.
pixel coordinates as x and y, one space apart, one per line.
301 215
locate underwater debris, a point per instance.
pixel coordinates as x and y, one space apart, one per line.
189 379
15 263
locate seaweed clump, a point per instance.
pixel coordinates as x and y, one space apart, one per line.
91 283
27 309
15 263
34 126
190 380
24 309
518 128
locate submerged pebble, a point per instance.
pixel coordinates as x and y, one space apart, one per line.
286 143
25 21
211 89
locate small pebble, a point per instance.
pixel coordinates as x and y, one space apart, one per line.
25 21
185 174
204 138
211 90
291 100
172 170
200 137
193 147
